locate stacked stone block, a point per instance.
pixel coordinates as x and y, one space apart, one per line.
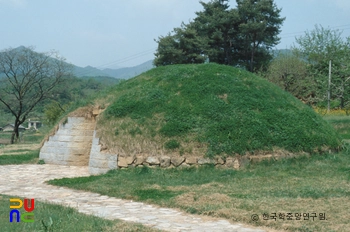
100 162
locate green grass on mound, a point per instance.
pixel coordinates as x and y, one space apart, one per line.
227 110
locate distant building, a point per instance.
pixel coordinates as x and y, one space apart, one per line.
34 124
9 127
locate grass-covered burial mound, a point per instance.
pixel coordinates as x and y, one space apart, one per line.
208 109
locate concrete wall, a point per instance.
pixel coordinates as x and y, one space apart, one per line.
71 144
100 162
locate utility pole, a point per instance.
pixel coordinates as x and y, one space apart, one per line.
329 85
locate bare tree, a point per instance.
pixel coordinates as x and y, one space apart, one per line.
27 78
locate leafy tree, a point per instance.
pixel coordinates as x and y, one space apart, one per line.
259 26
320 46
28 78
241 36
342 86
184 47
216 23
291 74
53 112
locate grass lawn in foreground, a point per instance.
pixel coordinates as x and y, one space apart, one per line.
50 217
316 185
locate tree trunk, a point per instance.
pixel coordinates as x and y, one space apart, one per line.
252 60
15 132
13 137
342 103
252 57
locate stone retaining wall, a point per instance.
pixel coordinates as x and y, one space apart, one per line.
75 144
183 161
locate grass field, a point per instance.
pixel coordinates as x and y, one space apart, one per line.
28 137
50 217
314 185
341 124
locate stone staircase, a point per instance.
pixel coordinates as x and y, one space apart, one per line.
75 144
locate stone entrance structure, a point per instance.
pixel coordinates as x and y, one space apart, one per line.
71 144
74 144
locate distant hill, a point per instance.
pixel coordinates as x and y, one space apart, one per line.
121 73
88 71
277 52
105 80
126 73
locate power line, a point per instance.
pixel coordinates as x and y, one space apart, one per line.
119 61
293 34
146 52
128 58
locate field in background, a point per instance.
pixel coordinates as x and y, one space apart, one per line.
25 151
26 137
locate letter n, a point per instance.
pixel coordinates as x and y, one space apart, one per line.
31 205
17 215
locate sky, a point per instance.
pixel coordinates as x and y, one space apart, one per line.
121 33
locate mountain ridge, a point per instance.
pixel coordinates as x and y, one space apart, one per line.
120 73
